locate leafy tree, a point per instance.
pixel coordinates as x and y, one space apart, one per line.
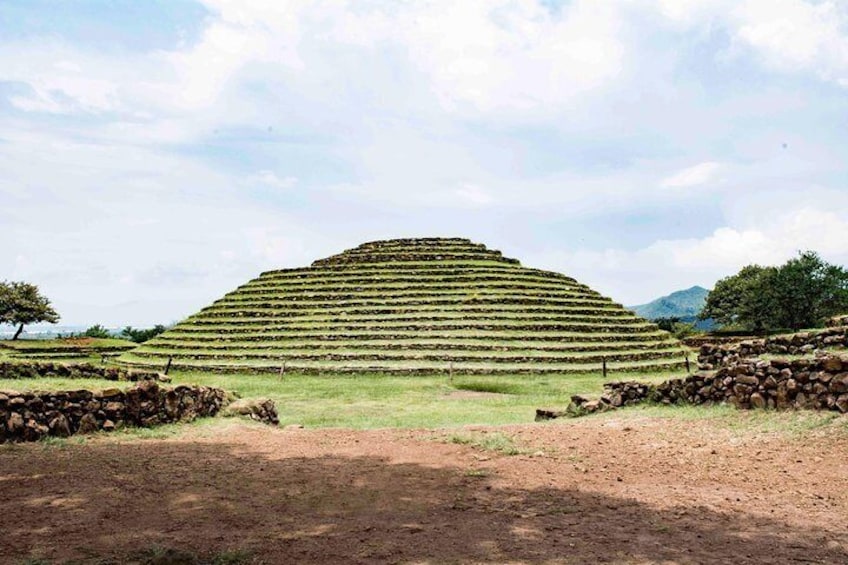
681 330
140 335
667 324
741 300
801 293
97 331
807 290
22 303
676 327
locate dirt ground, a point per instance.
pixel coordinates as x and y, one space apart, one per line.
597 490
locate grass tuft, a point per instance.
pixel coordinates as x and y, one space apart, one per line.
159 555
492 386
496 441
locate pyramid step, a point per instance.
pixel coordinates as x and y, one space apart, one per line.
407 368
407 345
446 300
413 356
240 333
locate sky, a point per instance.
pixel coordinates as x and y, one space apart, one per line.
156 154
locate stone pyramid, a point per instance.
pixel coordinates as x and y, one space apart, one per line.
413 306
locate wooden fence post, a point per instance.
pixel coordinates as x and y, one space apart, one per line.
604 365
168 366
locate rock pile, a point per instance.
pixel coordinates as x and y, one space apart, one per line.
840 321
30 416
34 370
260 409
713 356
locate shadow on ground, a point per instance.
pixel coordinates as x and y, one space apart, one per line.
105 500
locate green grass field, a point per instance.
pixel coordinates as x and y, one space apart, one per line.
380 401
368 401
59 383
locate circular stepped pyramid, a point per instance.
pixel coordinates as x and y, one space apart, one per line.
413 306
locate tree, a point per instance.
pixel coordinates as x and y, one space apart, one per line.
807 290
676 327
139 335
22 303
667 324
799 294
97 331
741 300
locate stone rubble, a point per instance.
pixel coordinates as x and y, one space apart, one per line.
258 409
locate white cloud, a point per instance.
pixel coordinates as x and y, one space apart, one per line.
785 35
503 57
795 34
474 195
382 112
107 223
270 178
699 174
774 236
68 94
514 56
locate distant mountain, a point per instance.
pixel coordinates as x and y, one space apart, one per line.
683 304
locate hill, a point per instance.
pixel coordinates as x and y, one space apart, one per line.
412 306
681 304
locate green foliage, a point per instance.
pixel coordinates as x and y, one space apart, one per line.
140 335
807 290
801 293
667 324
676 327
22 303
97 331
683 329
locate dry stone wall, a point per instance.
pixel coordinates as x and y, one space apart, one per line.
30 416
713 356
816 384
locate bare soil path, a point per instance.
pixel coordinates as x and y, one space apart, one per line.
598 490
